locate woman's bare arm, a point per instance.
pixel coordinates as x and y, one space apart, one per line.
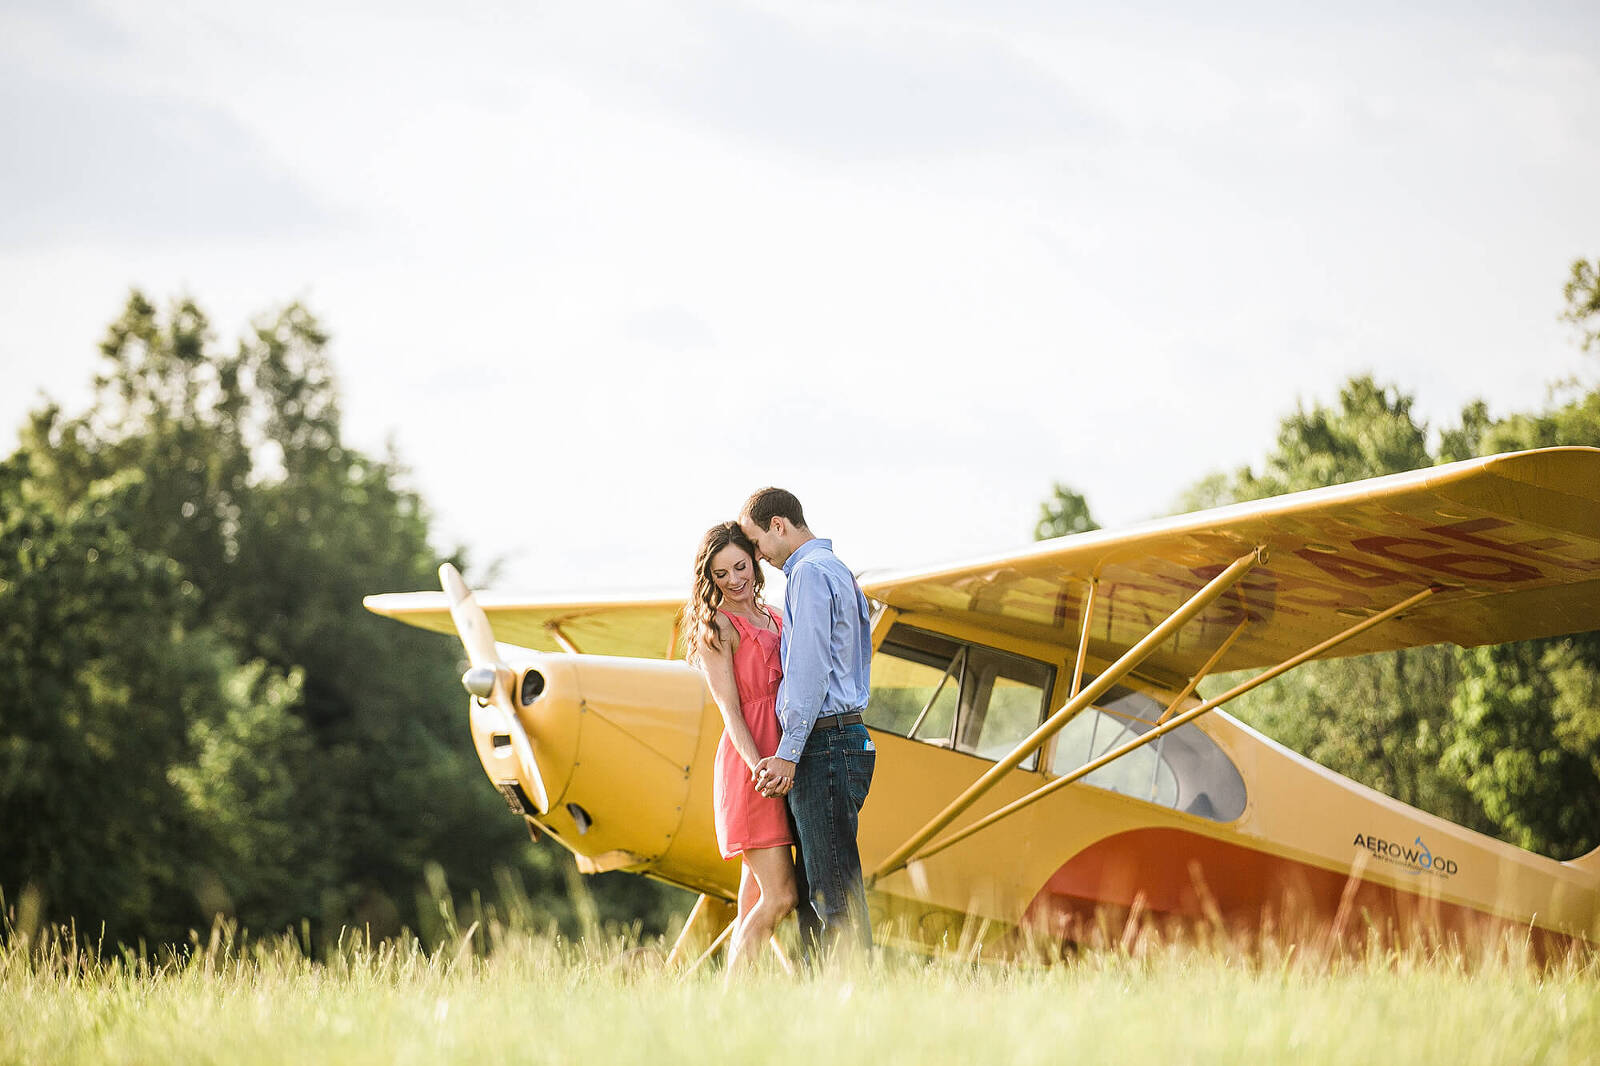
717 664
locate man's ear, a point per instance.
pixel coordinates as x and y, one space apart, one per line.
779 526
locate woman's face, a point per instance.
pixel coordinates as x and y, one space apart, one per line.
734 574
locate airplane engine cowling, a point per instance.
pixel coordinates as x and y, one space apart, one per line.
551 724
615 740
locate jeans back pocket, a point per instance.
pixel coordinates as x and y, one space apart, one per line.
861 763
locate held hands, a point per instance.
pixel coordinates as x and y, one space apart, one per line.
773 776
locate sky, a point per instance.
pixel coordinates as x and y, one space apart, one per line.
597 271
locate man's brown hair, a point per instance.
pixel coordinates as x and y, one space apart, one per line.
766 504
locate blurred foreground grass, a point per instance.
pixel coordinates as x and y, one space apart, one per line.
501 991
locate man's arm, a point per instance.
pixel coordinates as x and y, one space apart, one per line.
805 666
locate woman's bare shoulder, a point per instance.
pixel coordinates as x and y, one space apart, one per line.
727 636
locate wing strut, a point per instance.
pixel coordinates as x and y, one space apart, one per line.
881 621
1204 671
1183 719
1083 635
1052 725
554 629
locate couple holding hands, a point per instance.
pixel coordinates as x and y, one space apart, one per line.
795 763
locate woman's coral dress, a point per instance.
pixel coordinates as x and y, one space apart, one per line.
744 817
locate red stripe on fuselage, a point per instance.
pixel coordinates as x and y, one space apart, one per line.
1199 880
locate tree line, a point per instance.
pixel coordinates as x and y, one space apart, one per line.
1503 739
197 716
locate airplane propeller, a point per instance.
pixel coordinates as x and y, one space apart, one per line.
490 680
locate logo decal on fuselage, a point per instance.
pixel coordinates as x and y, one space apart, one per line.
1415 858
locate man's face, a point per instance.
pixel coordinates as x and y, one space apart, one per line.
770 542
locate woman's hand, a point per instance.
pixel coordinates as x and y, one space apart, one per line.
774 776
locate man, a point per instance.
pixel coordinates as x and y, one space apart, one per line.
825 758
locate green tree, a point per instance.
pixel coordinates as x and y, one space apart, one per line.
1371 432
1528 742
1582 293
104 678
1064 512
297 757
1467 439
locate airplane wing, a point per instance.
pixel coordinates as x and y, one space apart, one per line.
596 625
1513 540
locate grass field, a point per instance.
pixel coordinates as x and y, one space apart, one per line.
498 994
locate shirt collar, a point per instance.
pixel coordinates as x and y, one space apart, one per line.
805 549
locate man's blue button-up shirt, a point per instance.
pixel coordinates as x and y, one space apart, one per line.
826 644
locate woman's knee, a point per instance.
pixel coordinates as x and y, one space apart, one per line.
783 898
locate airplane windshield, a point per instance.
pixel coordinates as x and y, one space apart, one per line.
1185 769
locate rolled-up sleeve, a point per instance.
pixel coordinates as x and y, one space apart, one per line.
806 658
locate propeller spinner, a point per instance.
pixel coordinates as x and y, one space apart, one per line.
489 680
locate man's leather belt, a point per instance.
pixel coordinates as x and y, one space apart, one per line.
835 721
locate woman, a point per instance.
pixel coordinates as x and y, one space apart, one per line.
733 638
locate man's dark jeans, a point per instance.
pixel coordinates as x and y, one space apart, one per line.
830 785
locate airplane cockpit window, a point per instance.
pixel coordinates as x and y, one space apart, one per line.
950 693
916 684
1142 772
1184 769
1002 701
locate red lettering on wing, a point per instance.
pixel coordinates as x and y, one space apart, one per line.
1440 558
1355 572
1537 550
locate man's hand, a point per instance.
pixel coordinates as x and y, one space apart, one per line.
774 776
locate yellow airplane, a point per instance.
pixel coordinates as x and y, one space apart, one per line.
1047 772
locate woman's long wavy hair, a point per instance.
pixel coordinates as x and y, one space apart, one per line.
702 609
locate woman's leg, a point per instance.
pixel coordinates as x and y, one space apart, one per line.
772 872
749 896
